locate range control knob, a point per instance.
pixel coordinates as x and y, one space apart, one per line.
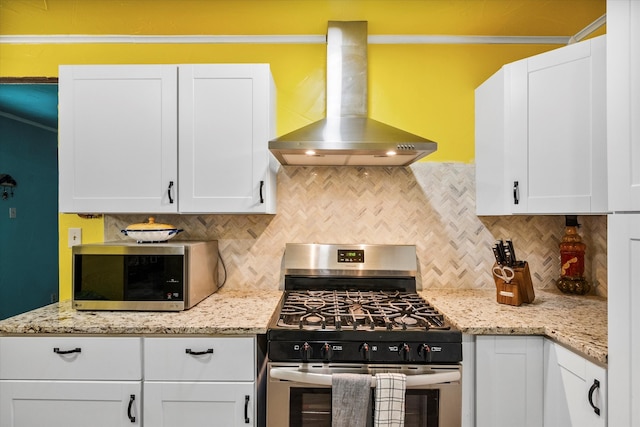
306 352
365 351
424 351
326 351
405 352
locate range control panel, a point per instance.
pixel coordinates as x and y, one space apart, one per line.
351 255
394 352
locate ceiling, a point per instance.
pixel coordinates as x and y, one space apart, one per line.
32 102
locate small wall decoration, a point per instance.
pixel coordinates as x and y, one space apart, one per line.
7 183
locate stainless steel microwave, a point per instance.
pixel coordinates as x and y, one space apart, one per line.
170 276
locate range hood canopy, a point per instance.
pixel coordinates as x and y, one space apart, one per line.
347 137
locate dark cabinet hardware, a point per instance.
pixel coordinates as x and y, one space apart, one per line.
261 185
74 350
246 409
199 353
516 192
132 398
594 386
169 192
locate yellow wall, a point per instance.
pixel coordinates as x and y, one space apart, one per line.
425 89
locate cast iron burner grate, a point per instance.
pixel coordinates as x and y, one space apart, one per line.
358 310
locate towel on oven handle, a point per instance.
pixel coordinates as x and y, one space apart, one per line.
389 401
350 399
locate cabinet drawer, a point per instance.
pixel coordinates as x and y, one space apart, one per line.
200 359
70 358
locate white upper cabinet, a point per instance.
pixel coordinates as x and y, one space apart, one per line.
623 104
541 134
117 138
167 138
226 120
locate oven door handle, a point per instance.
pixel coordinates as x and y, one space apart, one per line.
310 378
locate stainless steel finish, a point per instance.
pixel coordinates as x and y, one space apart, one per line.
321 260
130 248
278 391
347 136
415 380
200 272
130 305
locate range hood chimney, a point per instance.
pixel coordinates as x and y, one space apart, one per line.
347 137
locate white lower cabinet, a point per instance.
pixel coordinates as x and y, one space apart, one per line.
534 381
199 381
574 389
69 403
509 382
182 403
70 381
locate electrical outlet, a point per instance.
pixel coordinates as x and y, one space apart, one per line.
75 236
12 213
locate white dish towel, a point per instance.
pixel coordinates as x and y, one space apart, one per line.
389 402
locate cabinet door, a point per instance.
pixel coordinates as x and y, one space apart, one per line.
225 125
559 131
492 181
623 242
69 404
623 104
571 383
179 404
118 138
509 381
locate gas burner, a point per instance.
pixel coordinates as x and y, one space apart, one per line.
358 310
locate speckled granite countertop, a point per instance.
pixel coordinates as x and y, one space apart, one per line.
578 322
224 313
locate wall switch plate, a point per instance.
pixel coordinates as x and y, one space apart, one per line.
12 213
75 236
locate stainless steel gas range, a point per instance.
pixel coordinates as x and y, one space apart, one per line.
355 309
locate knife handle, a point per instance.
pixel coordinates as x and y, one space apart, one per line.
498 253
508 258
514 260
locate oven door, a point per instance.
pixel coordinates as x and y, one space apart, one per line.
299 394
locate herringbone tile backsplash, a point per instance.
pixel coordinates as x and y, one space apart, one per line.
431 205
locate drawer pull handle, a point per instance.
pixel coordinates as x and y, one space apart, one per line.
169 192
75 350
246 409
132 398
199 353
594 386
261 185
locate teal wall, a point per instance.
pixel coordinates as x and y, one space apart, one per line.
29 242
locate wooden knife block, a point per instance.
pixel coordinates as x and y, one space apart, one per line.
519 290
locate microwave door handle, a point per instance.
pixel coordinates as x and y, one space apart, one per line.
413 381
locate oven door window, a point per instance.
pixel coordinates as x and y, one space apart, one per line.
311 407
128 277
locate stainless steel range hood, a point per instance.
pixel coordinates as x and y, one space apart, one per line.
347 137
